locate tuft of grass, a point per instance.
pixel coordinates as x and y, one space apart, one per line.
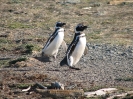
23 85
29 49
37 47
17 60
6 45
4 62
3 40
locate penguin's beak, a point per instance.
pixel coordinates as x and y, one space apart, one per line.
85 27
63 23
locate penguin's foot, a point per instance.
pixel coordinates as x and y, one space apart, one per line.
54 58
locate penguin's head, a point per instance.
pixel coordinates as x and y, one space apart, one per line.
80 27
59 24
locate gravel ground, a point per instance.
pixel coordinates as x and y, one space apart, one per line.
104 65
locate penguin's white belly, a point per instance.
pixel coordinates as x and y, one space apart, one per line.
54 45
79 50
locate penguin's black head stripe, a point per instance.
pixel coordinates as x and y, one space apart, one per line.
80 27
60 24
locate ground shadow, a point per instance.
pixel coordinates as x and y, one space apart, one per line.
43 59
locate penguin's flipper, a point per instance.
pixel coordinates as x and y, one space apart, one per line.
64 46
86 50
63 62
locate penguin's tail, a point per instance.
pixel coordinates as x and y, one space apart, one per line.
64 61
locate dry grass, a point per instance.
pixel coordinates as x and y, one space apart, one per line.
106 22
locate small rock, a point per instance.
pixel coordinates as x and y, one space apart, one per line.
57 85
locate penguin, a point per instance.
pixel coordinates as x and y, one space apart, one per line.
54 41
76 48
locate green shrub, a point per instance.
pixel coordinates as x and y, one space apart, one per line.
29 49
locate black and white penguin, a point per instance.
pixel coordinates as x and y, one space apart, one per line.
76 48
55 40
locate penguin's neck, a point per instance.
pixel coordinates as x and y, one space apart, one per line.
82 35
60 29
79 34
57 28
